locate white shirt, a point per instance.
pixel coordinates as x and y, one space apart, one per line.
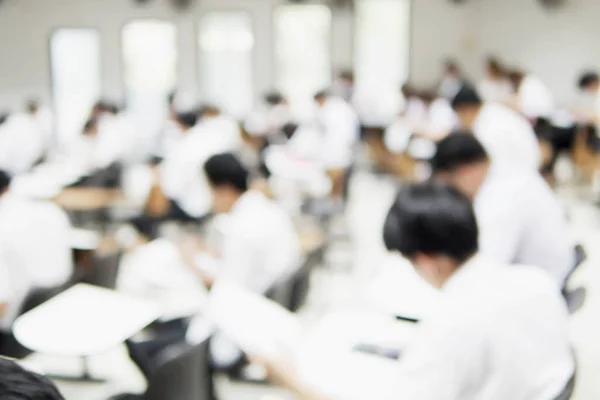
499 333
45 123
259 247
449 87
34 246
182 176
522 222
441 118
340 126
507 136
495 91
535 98
21 144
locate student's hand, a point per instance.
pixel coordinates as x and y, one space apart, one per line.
279 372
189 247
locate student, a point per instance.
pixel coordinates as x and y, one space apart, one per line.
340 127
177 192
532 97
21 144
343 85
16 383
589 83
259 247
520 219
499 332
35 247
495 87
506 135
452 80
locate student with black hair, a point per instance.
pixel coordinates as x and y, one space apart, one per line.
452 80
495 87
507 136
340 129
497 333
259 247
17 383
35 252
520 218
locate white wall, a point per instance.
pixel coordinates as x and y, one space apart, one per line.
26 25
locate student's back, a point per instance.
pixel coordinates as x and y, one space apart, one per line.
507 136
500 333
521 221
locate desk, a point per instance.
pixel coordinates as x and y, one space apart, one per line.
83 321
87 199
326 360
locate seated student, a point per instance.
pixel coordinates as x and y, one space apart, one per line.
35 247
259 246
340 128
499 332
16 383
452 80
506 135
520 218
495 87
21 143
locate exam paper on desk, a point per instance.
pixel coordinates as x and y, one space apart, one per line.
323 356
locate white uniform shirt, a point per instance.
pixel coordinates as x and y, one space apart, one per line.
182 176
535 98
259 247
21 144
500 333
522 222
441 117
507 136
492 91
340 133
34 245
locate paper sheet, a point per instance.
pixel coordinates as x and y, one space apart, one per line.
257 325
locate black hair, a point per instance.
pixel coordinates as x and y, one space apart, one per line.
273 98
187 119
587 79
5 180
4 116
90 125
32 105
321 94
227 169
466 96
432 219
494 64
347 75
451 66
457 149
289 130
16 383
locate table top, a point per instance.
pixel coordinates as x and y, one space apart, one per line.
88 199
84 320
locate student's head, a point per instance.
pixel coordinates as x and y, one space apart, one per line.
321 97
228 179
5 180
433 226
461 161
451 68
516 77
589 82
467 104
427 96
274 99
494 68
16 383
32 106
90 128
408 90
186 120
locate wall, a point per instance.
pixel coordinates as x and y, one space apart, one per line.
26 25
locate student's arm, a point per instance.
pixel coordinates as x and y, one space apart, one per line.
499 230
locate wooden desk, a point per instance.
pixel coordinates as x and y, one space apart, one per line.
88 199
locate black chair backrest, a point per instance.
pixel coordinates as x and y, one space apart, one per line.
301 283
181 373
104 271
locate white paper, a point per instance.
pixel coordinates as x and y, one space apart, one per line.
257 325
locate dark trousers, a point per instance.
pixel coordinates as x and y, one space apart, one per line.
148 225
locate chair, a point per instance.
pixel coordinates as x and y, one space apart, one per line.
181 372
580 258
104 271
300 285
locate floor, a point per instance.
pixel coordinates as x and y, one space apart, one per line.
351 261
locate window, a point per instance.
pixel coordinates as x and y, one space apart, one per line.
303 53
382 42
150 73
226 41
75 72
